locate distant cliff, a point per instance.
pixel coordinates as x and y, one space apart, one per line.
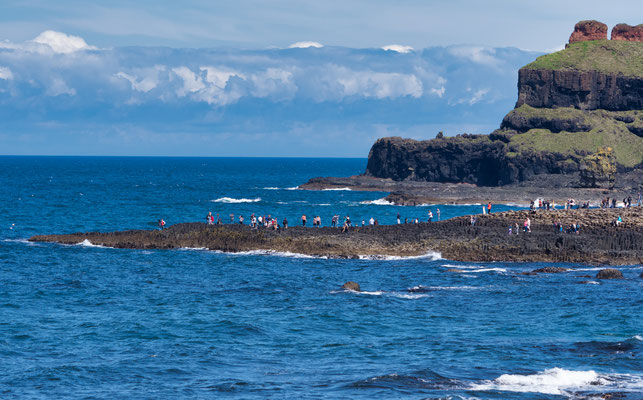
571 103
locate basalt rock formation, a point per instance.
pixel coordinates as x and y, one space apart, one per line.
599 242
628 33
570 104
588 30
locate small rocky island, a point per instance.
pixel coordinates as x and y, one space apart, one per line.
576 131
598 242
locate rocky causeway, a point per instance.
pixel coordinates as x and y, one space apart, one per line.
598 243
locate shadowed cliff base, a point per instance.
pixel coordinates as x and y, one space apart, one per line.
488 240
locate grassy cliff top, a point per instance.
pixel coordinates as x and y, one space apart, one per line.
607 56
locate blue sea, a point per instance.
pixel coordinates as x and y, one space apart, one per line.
91 322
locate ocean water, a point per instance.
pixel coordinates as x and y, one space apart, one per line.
90 322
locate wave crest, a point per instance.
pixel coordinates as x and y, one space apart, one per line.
231 200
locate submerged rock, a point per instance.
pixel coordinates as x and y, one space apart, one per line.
350 285
609 273
550 270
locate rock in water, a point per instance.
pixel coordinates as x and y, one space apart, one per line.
550 270
588 30
350 285
609 273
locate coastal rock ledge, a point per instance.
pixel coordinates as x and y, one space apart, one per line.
488 240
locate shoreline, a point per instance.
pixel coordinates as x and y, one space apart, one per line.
558 188
598 243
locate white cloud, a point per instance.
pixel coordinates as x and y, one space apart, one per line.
477 54
148 80
398 48
62 43
304 45
439 92
59 87
379 85
191 82
274 81
477 96
6 74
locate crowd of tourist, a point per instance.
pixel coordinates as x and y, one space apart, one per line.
269 222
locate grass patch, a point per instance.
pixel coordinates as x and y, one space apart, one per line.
606 132
606 56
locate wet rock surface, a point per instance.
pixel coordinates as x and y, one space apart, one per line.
550 270
350 285
556 187
456 239
609 273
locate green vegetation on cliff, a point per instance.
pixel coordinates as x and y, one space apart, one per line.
606 56
604 129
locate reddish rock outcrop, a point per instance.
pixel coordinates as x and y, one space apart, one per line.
588 30
628 33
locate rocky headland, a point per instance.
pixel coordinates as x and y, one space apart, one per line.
577 123
599 242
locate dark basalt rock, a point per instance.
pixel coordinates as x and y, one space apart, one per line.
480 161
585 90
518 122
609 273
455 238
350 285
550 270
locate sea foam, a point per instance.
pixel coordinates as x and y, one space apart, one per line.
378 202
87 243
230 200
432 255
557 381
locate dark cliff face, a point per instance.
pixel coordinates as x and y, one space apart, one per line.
479 160
585 90
570 103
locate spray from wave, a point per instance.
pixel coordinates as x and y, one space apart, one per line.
231 200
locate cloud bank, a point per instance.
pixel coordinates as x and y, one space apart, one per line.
299 96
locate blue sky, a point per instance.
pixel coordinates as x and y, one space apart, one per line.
252 78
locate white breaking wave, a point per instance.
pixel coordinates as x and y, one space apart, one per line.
271 188
231 200
378 202
271 253
409 296
336 189
22 241
193 248
638 337
87 243
292 188
561 381
486 270
432 255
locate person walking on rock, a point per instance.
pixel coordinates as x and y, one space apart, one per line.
489 208
303 220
